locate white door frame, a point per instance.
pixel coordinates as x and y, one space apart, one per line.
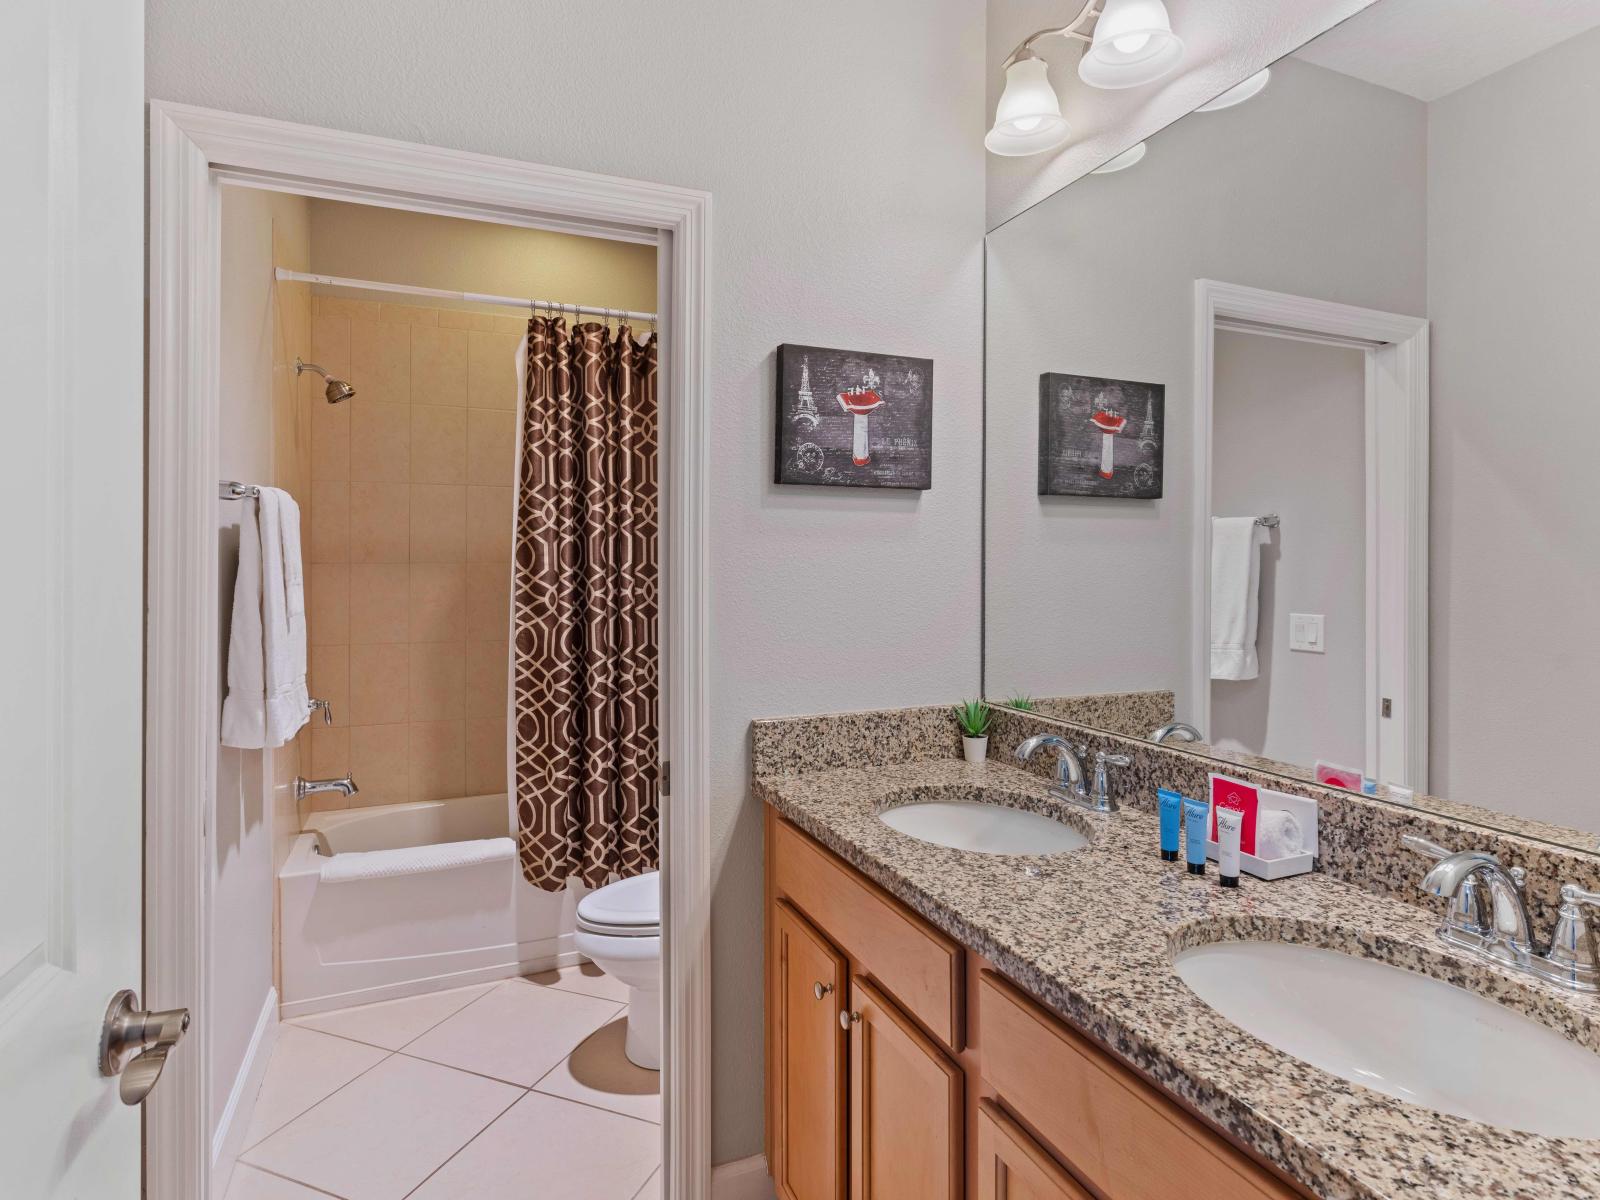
1397 505
192 150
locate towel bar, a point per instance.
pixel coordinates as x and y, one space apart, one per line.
232 490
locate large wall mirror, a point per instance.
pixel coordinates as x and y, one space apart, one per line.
1293 421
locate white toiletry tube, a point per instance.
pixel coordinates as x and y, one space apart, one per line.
1230 825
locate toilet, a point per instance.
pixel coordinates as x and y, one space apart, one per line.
619 930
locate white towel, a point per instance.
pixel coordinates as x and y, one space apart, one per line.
415 860
1235 596
267 701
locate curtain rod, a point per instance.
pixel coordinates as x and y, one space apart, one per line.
407 289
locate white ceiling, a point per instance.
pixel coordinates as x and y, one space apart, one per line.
1429 48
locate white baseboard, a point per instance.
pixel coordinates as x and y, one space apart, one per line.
225 1142
435 983
742 1179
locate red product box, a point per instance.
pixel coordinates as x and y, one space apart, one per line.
1230 793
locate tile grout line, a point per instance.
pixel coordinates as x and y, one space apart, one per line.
646 1182
311 1187
421 1183
387 1055
374 1045
596 1108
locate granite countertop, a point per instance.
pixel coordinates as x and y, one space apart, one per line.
1094 935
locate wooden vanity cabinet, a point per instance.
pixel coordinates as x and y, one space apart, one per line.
809 1062
1012 1166
906 1106
886 1081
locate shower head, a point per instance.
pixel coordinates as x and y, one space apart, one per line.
336 391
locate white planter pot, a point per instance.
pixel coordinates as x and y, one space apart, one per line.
975 749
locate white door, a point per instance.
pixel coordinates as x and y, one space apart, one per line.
71 585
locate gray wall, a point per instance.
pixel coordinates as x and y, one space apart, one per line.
1513 273
1316 188
1289 436
843 145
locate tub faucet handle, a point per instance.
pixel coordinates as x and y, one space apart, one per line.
326 707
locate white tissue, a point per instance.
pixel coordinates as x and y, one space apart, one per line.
1278 834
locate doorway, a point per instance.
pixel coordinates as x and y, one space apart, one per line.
194 154
1393 549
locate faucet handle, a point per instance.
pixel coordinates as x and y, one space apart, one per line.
327 710
1571 893
1573 952
1104 758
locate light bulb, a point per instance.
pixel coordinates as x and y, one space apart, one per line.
1027 124
1131 44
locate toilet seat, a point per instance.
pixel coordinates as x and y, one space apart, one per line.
628 908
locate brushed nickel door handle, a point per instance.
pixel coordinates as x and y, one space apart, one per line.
134 1043
847 1019
820 989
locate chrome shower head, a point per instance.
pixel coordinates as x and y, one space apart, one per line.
337 390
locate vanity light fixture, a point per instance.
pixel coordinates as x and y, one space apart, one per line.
1122 161
1239 92
1132 44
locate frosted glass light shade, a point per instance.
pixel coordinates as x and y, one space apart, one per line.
1028 118
1238 93
1121 162
1133 45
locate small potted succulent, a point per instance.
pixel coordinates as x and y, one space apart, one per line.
973 717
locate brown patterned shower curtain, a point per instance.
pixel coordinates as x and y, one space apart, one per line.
584 599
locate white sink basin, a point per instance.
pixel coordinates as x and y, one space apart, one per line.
1403 1034
984 828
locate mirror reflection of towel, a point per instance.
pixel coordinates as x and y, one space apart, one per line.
1235 596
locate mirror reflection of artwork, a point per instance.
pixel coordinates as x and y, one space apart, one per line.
852 419
1100 437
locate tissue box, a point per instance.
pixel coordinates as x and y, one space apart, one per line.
1305 812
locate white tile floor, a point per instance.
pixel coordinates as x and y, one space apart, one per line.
502 1091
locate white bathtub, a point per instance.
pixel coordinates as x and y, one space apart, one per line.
407 923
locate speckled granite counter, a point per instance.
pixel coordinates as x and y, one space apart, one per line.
1094 937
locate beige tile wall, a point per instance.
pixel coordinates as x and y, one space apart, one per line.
410 549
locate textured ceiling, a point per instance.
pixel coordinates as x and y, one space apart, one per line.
1430 48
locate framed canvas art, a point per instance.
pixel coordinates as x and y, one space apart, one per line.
1100 437
848 418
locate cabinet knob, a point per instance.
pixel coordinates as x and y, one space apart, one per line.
847 1019
820 989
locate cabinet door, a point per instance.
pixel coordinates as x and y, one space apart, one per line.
905 1103
810 1063
1011 1166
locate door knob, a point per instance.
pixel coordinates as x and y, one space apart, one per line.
820 989
847 1019
135 1043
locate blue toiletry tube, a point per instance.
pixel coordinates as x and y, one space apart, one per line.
1196 816
1171 805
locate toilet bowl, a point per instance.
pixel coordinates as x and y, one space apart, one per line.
619 930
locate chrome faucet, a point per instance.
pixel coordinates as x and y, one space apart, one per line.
310 787
1488 914
1100 797
1180 731
1070 782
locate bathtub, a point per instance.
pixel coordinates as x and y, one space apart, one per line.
423 900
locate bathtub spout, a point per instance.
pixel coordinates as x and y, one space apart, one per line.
310 787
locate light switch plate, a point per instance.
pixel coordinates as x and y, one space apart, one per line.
1305 633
